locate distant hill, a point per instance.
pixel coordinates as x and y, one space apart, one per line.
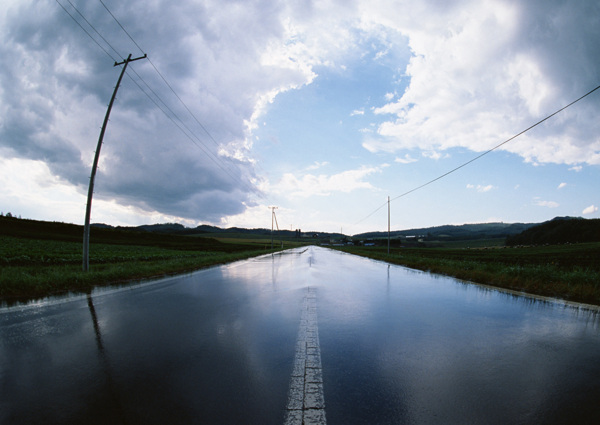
179 229
558 231
172 228
102 233
455 233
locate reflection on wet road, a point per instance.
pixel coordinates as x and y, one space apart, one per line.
241 343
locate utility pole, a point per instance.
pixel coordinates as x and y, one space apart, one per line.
388 225
272 222
88 209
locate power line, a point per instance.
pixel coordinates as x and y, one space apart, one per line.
174 117
123 28
186 131
178 122
84 30
481 155
176 95
95 30
160 74
183 127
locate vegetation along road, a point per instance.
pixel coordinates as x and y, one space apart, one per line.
570 272
42 258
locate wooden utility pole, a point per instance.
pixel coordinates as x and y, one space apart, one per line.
88 209
272 223
388 225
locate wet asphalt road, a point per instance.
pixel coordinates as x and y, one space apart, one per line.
309 333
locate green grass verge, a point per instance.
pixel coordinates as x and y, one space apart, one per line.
570 272
263 243
32 268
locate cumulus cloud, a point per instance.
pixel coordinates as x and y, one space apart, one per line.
480 188
322 185
562 186
406 159
55 84
227 62
316 165
479 72
433 154
482 72
590 210
547 204
221 61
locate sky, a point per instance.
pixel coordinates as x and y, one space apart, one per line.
323 109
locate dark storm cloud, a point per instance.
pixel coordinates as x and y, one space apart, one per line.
55 84
563 36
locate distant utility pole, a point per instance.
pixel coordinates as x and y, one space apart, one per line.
88 209
388 225
273 219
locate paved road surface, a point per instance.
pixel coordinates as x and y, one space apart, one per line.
309 334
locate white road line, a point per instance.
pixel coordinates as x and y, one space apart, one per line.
306 404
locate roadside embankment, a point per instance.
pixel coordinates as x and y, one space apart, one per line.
569 272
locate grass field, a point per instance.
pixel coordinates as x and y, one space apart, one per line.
264 243
33 268
570 272
42 258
